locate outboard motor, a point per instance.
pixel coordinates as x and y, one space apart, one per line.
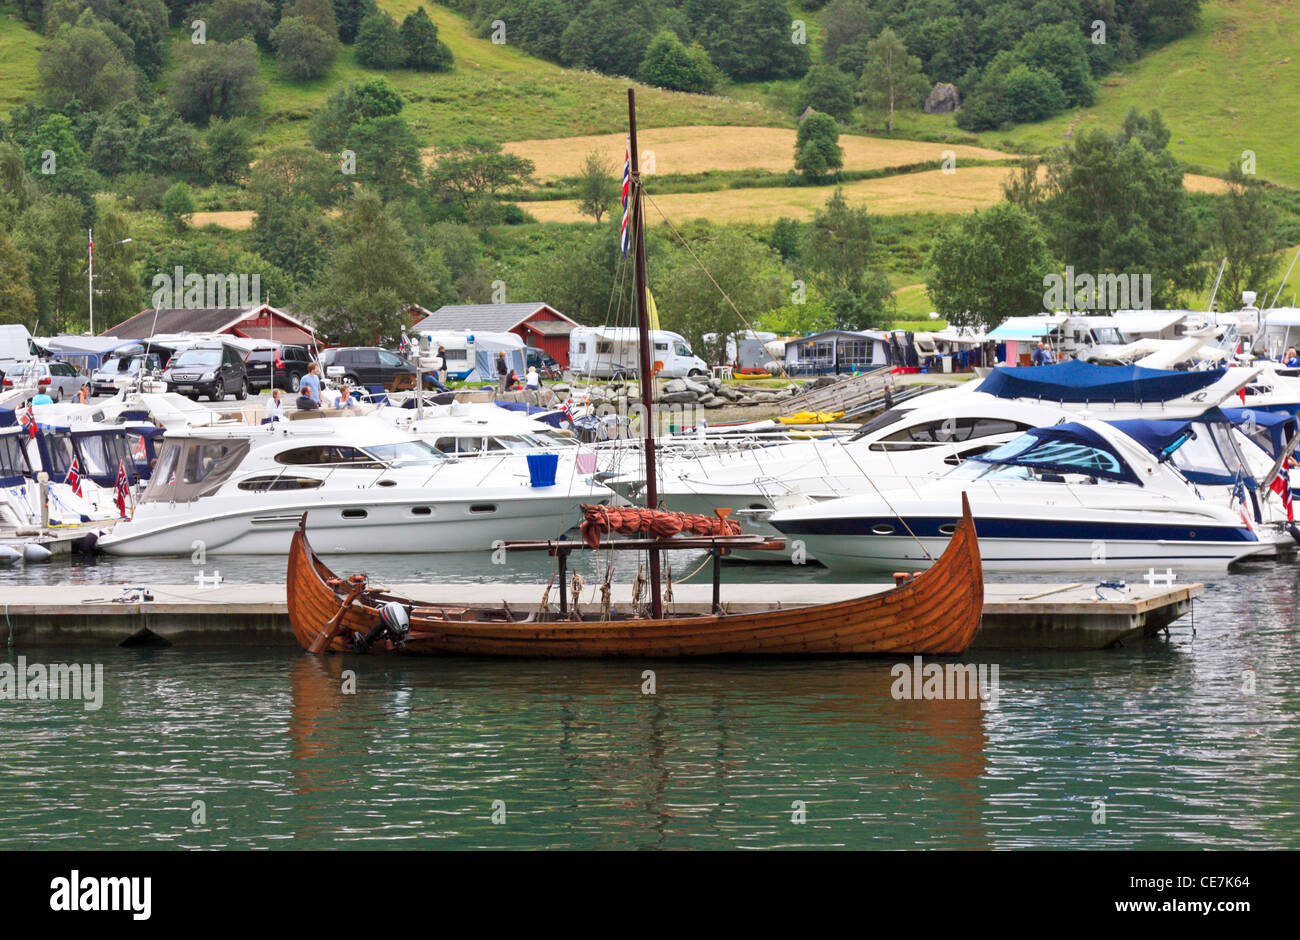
394 623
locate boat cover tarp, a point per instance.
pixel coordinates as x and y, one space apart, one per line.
1274 427
1080 381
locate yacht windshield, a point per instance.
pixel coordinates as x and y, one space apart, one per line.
1061 450
1211 456
407 454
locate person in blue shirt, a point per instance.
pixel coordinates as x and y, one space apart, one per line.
309 389
1292 360
42 399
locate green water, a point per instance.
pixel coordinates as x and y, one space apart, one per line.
279 757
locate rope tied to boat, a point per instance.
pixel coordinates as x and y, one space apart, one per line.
546 597
575 585
605 588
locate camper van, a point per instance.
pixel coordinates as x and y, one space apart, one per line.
471 356
611 352
15 346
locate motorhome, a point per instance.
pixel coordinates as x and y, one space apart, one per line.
610 352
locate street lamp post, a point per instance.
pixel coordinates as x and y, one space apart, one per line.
90 274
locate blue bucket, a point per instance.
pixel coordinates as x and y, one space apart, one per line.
542 467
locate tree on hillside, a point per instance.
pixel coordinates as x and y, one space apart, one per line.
217 80
137 27
987 266
82 64
178 205
17 302
816 147
839 254
748 271
825 88
1243 229
291 186
388 156
597 187
844 23
303 50
54 135
349 14
319 13
17 189
349 106
474 173
1060 49
669 64
229 151
117 271
1115 204
228 20
892 78
371 274
379 43
425 52
49 233
609 37
764 43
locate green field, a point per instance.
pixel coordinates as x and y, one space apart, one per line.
19 50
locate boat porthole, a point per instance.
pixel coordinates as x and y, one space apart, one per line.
882 528
483 507
387 483
1191 534
421 511
948 528
757 506
354 514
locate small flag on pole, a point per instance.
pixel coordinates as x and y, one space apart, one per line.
119 488
73 479
627 202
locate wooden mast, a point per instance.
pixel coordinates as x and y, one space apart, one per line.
643 329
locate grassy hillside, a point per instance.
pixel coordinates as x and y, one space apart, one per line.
19 50
497 91
1230 86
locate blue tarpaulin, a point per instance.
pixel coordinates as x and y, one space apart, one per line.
1275 427
1078 381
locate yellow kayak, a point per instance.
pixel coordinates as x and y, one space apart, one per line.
812 417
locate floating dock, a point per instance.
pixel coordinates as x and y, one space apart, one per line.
1016 616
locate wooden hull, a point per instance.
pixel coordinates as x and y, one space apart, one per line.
936 613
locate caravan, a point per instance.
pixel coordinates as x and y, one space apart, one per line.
612 352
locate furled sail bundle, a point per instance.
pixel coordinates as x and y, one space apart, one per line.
630 520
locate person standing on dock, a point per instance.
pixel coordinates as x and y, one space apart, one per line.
309 389
503 371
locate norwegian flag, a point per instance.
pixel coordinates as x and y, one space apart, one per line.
1239 499
568 408
1281 485
73 479
28 420
627 190
402 345
119 488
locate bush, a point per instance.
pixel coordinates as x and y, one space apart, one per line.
379 44
83 64
817 149
229 20
303 51
425 52
825 88
178 205
669 64
229 151
217 80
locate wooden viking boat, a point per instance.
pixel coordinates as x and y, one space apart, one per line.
936 612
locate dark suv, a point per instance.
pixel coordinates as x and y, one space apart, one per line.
212 369
369 365
281 367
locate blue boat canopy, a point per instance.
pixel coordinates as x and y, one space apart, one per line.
1064 448
1271 430
1078 381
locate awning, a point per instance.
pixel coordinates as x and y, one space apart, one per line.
1024 328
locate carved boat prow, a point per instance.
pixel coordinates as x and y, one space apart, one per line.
937 612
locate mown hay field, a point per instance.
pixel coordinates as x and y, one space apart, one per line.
700 149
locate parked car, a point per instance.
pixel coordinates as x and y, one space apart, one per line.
121 367
59 380
369 365
547 367
279 367
212 369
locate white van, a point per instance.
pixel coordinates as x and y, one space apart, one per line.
607 352
15 346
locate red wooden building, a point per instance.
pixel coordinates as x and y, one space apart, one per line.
540 325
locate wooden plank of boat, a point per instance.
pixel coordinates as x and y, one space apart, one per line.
935 613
